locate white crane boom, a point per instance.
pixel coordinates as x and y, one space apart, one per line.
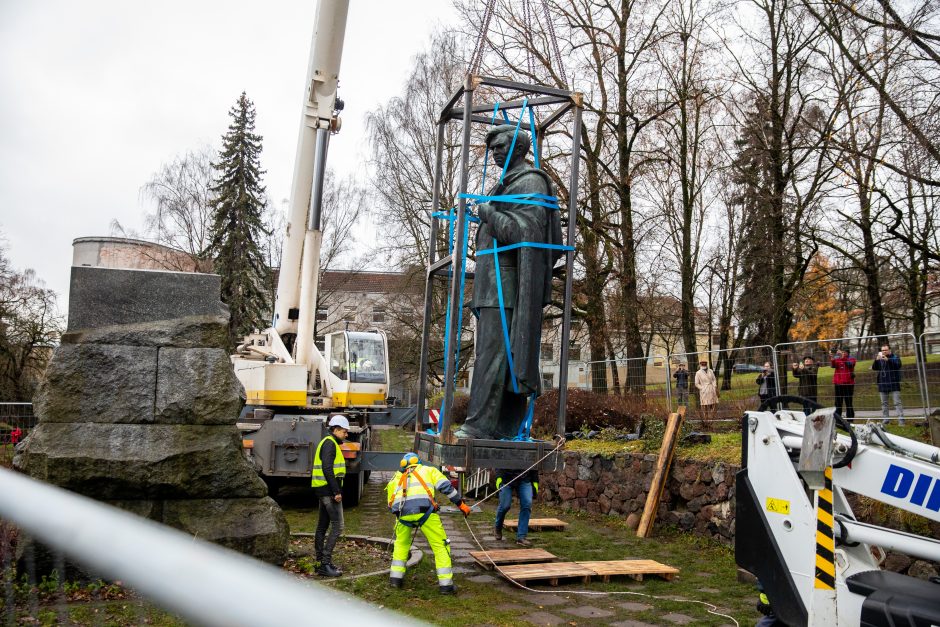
295 304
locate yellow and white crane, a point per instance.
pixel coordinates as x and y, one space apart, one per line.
290 384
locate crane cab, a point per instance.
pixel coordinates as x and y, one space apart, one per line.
350 372
358 368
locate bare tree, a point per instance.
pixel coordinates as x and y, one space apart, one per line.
30 326
181 193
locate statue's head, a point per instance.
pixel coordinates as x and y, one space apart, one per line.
499 139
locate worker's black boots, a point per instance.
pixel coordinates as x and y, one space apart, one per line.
396 583
451 589
327 569
498 533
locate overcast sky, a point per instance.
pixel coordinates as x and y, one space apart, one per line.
96 95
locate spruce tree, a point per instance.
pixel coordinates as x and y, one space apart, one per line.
237 223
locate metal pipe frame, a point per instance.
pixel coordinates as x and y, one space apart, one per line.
458 256
468 113
429 284
191 577
569 271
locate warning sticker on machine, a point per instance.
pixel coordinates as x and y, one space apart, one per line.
778 506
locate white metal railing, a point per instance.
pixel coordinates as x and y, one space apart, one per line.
202 582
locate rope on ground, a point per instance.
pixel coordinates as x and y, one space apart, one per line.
710 608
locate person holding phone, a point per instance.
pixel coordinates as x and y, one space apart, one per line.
843 380
888 366
766 383
806 372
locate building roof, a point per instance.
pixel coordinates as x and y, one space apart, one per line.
366 282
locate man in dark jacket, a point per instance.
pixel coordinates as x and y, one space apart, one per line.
806 373
681 376
329 468
526 486
766 383
888 366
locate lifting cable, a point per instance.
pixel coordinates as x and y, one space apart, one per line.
554 52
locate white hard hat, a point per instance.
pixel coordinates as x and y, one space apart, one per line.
339 421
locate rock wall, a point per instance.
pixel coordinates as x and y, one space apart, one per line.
140 412
698 497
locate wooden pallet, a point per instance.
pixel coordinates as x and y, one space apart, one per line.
552 571
635 569
502 557
537 524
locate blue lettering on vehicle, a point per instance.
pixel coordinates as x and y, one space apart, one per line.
899 482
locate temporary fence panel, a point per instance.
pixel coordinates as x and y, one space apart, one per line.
735 370
863 391
930 367
16 420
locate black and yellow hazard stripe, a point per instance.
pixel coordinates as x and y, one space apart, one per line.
825 544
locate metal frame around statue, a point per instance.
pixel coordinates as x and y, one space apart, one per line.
441 449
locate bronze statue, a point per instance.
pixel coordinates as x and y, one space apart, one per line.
497 408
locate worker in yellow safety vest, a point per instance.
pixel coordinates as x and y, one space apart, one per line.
411 499
329 468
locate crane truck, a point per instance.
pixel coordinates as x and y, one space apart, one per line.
291 385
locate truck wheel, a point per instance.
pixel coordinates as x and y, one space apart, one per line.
352 489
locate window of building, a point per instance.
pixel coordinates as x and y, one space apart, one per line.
548 380
320 342
547 352
378 314
349 313
322 314
574 351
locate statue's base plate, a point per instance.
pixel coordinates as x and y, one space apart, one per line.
473 453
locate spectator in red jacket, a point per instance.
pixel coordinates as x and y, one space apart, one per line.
844 381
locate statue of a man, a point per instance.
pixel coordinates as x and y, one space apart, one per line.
496 410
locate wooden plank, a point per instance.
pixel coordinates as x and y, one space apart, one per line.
537 524
552 571
501 557
635 569
661 472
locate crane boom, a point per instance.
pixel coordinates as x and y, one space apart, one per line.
295 303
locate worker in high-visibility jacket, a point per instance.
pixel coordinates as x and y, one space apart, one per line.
411 499
329 468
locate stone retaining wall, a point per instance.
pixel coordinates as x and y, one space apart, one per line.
698 497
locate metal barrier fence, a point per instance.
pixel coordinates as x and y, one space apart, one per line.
16 420
204 583
929 345
863 392
735 372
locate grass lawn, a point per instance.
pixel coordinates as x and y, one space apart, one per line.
708 574
724 447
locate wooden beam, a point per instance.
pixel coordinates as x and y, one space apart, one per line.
660 473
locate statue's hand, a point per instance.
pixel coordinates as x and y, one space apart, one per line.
485 210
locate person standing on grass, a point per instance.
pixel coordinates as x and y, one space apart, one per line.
766 383
329 468
843 380
888 366
681 376
806 373
526 486
707 386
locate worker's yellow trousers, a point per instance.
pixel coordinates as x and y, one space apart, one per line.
433 530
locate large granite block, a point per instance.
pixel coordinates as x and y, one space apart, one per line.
196 386
99 383
256 527
104 297
185 332
123 461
